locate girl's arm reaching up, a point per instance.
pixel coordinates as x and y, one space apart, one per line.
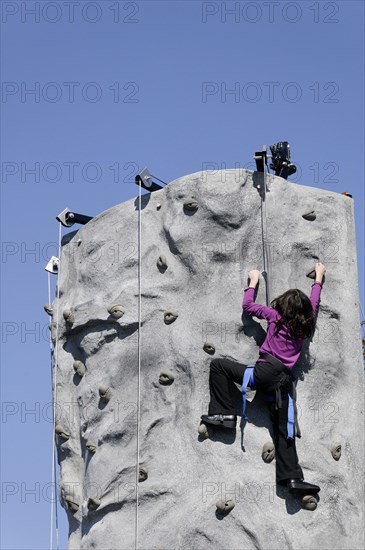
248 304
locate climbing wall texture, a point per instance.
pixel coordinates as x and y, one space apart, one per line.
200 236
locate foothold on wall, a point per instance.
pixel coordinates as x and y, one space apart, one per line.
61 432
93 504
225 506
209 348
69 317
309 215
48 309
268 452
79 368
117 311
191 205
72 505
166 378
91 447
161 262
143 473
105 393
158 206
336 451
309 502
204 431
169 317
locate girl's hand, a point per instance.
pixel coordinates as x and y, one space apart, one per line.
320 270
254 275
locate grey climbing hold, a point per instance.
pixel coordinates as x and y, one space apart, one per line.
61 432
105 393
336 451
169 317
204 431
72 505
143 474
158 206
191 204
117 311
225 506
79 368
311 274
93 504
161 262
91 447
309 502
309 215
48 309
268 452
209 348
69 317
166 378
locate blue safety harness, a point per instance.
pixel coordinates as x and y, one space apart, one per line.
248 380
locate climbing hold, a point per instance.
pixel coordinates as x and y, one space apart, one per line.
311 274
79 368
309 215
346 194
48 309
225 506
268 452
69 317
93 504
105 393
72 505
158 206
61 432
309 502
209 348
79 241
91 447
166 378
204 431
143 474
117 311
161 262
336 451
170 317
191 204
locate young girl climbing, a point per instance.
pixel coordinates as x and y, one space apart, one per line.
291 319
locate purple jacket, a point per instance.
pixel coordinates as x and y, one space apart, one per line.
281 345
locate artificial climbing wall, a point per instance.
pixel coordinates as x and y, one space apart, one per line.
200 236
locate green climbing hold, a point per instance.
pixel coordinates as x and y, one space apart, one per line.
336 451
309 215
61 432
93 504
309 502
143 473
105 393
225 506
72 505
170 317
191 205
166 378
68 317
268 452
209 348
79 368
117 311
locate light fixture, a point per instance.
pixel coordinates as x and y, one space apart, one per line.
280 160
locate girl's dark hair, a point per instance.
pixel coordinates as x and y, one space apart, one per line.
296 313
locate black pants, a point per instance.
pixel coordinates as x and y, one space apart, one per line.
223 372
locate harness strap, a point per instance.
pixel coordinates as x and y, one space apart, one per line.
248 380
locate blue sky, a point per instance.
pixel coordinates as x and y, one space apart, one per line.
120 85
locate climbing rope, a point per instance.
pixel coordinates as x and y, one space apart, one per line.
266 256
139 351
54 363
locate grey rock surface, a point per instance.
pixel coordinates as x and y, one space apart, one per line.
207 229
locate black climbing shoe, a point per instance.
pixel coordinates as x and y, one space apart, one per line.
302 487
223 420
